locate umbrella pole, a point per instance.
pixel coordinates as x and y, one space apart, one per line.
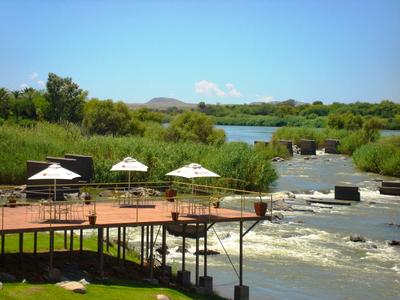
55 193
192 186
129 181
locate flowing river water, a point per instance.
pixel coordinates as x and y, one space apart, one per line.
309 254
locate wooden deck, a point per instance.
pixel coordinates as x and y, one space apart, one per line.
16 220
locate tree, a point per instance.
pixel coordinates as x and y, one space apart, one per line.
66 99
4 102
16 103
317 103
194 126
201 107
335 121
107 117
352 122
373 127
143 114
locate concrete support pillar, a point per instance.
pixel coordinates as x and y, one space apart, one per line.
242 292
207 283
184 278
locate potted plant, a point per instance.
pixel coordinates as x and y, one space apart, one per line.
12 200
260 207
85 191
175 212
170 194
92 217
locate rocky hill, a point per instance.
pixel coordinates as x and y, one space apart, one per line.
163 103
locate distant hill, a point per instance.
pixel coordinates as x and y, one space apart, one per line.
165 100
163 103
296 103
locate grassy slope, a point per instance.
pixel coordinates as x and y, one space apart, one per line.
128 285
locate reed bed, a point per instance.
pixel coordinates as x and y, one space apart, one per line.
239 165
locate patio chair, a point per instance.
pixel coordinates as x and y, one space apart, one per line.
65 209
34 210
77 209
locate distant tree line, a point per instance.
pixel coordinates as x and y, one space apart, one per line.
64 103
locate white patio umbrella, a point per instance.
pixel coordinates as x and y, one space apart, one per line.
55 171
193 171
129 164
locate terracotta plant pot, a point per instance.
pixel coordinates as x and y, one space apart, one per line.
170 194
12 203
92 220
260 208
174 215
87 199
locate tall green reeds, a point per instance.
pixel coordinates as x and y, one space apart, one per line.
245 167
382 156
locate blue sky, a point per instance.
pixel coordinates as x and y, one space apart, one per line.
231 52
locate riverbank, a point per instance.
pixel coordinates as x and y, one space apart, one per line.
119 282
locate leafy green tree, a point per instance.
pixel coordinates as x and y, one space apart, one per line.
352 122
317 103
373 127
16 103
335 121
4 102
66 99
201 107
29 111
385 109
319 110
194 126
143 114
290 102
106 117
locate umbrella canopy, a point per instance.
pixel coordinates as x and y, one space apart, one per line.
193 171
129 164
55 171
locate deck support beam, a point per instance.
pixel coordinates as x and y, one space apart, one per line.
241 291
142 248
151 251
119 247
35 243
197 254
251 227
124 244
206 281
21 248
184 275
3 240
101 254
81 242
71 245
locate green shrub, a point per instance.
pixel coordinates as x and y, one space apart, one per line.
382 156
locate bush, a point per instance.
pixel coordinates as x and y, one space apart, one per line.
382 156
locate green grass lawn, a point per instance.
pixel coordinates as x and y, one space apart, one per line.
119 285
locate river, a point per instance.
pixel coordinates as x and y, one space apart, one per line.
309 255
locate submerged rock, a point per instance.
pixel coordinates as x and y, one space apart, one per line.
282 205
394 243
209 252
357 238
